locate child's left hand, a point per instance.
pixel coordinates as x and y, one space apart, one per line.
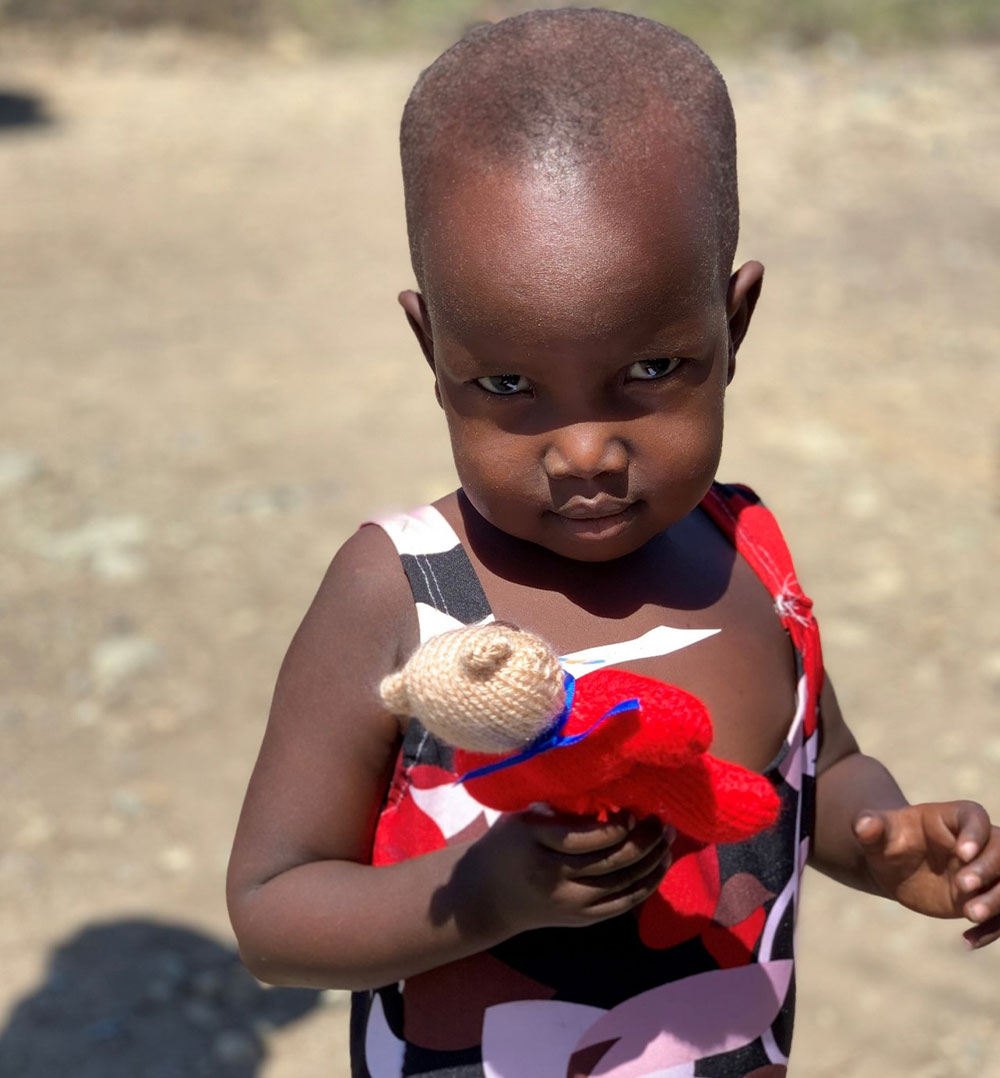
942 860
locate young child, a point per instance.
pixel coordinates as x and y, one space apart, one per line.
572 210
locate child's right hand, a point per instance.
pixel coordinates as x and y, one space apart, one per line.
533 869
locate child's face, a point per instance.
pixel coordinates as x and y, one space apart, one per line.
582 338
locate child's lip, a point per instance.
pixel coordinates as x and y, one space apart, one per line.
596 520
592 508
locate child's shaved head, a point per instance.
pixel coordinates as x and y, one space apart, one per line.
565 93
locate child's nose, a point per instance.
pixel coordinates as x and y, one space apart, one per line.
584 451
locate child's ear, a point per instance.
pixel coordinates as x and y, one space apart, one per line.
744 288
416 314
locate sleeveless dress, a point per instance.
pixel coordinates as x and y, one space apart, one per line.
699 981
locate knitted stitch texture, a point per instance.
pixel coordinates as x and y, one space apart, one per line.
492 689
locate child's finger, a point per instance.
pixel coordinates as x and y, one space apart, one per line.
575 835
983 906
983 870
624 898
983 935
871 831
615 879
970 824
647 843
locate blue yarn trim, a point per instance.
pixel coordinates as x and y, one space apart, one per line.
552 736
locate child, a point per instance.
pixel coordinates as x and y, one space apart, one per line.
572 211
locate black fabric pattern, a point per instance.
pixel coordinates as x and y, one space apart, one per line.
727 1064
446 581
467 1063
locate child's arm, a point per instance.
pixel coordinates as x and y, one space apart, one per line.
942 860
306 906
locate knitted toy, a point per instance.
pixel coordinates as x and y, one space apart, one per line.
525 732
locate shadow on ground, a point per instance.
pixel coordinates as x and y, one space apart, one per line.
132 998
18 110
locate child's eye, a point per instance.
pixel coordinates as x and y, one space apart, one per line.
504 385
646 370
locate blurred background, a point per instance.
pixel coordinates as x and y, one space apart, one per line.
205 385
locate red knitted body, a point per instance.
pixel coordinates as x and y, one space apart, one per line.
650 762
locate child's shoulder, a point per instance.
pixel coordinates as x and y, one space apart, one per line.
365 597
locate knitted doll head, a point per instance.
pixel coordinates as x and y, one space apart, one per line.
487 688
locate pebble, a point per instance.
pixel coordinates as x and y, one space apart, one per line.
172 967
161 990
109 546
992 751
862 501
128 803
87 712
884 582
34 832
816 441
260 503
990 665
209 983
18 466
176 859
11 718
233 1048
118 659
106 1029
201 1013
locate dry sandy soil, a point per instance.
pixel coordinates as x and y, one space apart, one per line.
205 385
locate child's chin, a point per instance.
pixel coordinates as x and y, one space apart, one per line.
597 550
595 539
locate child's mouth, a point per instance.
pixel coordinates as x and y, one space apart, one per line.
596 519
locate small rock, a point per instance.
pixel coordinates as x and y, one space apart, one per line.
992 751
260 503
127 803
18 466
884 582
209 983
118 563
862 501
35 831
161 990
176 859
104 1030
117 659
112 826
171 966
233 1048
201 1013
11 718
990 665
107 545
86 712
843 47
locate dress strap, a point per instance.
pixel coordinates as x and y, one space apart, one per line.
753 530
445 587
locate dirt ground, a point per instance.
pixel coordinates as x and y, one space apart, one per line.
205 385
